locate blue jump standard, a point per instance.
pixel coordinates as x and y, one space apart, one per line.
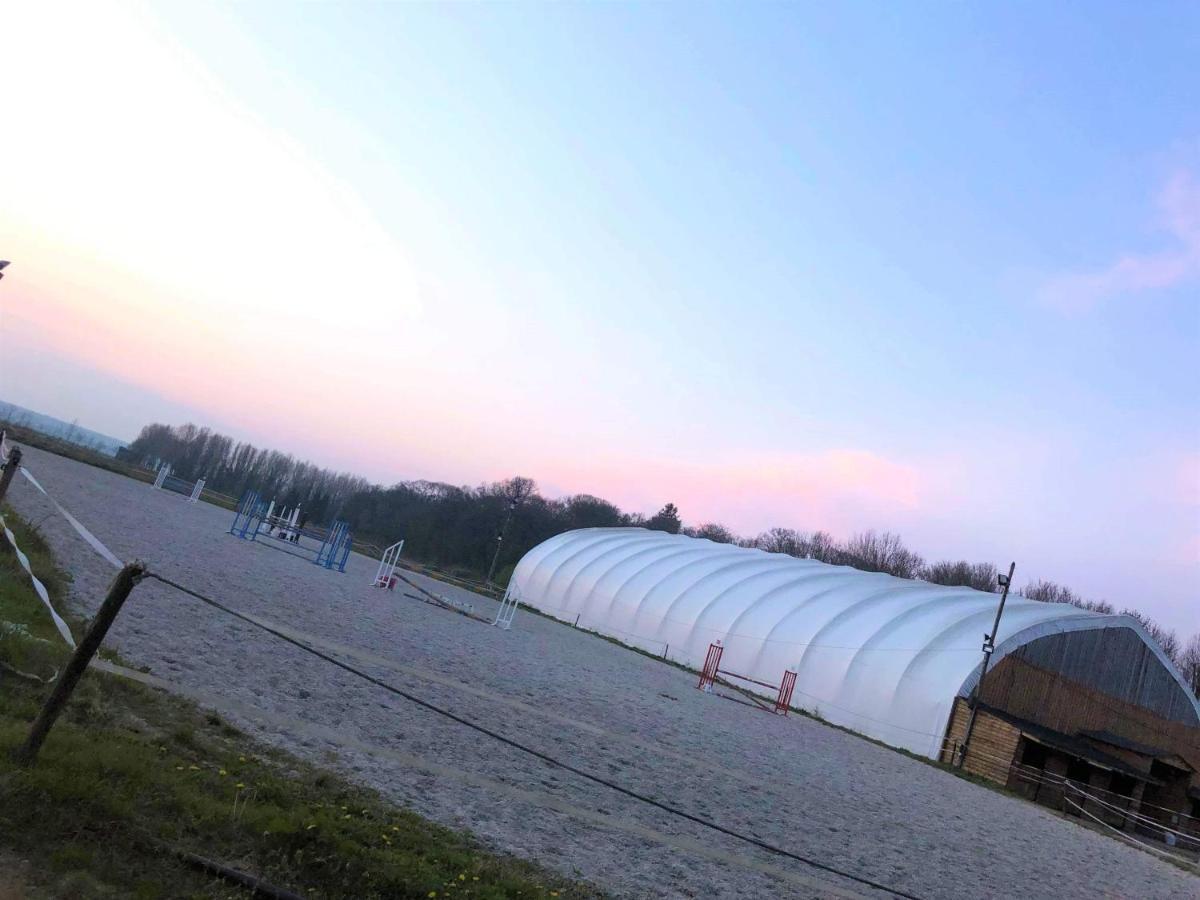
251 515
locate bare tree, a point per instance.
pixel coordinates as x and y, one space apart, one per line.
517 490
822 547
883 552
782 540
712 531
1051 592
1189 663
980 576
1167 639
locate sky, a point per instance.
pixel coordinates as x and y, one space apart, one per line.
932 268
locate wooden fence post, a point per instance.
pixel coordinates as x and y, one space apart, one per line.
9 470
130 575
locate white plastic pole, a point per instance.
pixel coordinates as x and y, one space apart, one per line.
163 472
294 524
196 489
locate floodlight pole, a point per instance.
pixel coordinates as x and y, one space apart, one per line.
989 645
499 542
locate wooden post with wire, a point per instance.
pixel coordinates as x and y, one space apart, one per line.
64 686
989 645
9 470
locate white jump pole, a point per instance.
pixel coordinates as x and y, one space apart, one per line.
196 489
163 472
294 524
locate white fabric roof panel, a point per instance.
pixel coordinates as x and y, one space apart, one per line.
881 655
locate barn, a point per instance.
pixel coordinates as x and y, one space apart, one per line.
1069 691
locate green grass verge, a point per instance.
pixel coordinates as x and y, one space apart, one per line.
130 773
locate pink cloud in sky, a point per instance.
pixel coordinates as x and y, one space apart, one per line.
838 489
1179 211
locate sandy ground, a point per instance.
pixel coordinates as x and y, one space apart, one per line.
790 781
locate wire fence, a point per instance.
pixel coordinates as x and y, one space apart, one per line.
1122 811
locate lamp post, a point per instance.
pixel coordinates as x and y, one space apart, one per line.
989 645
512 505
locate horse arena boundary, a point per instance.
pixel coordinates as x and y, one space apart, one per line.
866 811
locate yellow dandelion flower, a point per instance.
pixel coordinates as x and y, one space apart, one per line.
222 773
194 768
462 877
311 827
240 785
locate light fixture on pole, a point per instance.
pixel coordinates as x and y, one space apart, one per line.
512 505
989 645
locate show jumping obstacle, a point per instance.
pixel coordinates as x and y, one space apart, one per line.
385 576
255 516
508 608
165 480
712 668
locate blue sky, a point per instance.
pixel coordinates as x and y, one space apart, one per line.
931 268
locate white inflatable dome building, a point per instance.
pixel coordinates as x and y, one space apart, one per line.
881 655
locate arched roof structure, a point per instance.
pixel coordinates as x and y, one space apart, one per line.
881 655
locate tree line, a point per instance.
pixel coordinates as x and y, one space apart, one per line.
485 529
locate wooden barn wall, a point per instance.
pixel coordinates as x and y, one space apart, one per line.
993 743
1116 661
1047 698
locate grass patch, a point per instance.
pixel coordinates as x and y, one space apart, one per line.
130 774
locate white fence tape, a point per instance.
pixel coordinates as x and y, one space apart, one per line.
29 477
38 586
93 541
